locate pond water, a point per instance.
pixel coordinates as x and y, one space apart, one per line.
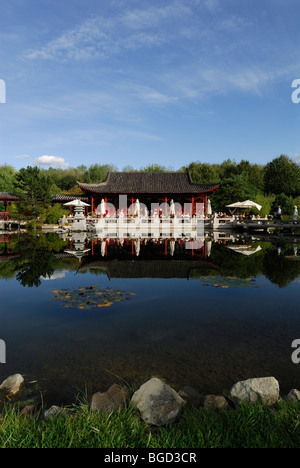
79 314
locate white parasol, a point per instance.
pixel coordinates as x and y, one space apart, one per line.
137 208
209 212
172 208
245 249
245 204
102 207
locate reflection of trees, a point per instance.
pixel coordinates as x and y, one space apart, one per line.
33 264
278 269
235 264
35 258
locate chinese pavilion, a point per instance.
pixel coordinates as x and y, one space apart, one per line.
149 188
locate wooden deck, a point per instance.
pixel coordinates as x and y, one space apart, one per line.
257 224
267 225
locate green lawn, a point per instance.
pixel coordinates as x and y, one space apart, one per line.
247 427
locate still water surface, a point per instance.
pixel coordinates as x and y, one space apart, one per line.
205 317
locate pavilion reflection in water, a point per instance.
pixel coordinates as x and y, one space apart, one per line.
141 257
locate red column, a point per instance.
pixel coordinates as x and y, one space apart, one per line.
92 203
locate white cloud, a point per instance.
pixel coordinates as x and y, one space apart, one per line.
56 275
22 156
102 37
51 161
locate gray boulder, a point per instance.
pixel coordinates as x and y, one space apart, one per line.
54 411
293 395
215 401
191 396
12 385
158 403
112 400
264 389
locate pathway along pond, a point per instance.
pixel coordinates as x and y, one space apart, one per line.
80 313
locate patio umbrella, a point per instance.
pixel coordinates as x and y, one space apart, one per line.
137 208
172 208
209 212
102 207
245 250
245 204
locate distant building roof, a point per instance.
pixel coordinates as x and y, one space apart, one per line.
66 198
148 182
8 196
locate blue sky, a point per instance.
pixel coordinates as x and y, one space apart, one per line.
135 82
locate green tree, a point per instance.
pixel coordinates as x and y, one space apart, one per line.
282 175
35 186
233 189
254 173
129 169
155 168
266 201
228 169
203 173
97 173
7 178
286 203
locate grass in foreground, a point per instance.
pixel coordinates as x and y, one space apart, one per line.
248 427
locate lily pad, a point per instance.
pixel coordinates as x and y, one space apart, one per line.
90 297
228 282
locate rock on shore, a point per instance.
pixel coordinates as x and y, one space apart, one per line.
12 385
158 403
265 389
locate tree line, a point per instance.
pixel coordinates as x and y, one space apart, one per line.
275 183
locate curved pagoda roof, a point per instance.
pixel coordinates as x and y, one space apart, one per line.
148 182
8 196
